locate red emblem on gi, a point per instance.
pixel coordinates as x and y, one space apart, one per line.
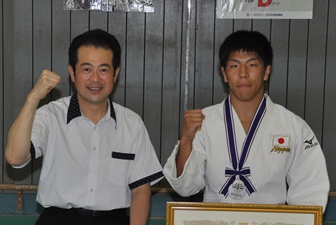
281 141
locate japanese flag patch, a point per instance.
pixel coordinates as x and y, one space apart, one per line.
280 144
281 141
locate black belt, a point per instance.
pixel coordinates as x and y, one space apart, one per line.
87 212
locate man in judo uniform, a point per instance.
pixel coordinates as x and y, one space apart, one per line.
248 149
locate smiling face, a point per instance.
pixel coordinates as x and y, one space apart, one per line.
94 76
245 74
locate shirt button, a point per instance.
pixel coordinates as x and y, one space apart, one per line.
94 148
91 190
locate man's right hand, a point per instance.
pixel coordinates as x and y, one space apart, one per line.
191 124
18 145
47 81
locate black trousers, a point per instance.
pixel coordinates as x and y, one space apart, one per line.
53 216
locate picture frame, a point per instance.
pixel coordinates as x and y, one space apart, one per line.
205 213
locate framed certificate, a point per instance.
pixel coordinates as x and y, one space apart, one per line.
205 213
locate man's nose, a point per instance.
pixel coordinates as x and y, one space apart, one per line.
95 76
243 72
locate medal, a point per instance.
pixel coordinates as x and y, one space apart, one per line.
238 182
237 189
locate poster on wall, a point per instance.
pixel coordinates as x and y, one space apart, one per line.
264 9
110 5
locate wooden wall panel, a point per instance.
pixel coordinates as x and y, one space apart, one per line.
264 27
222 29
242 24
117 27
80 22
153 67
135 46
159 51
41 49
329 105
204 60
171 77
98 20
278 77
41 41
7 82
60 30
316 57
22 78
219 87
297 66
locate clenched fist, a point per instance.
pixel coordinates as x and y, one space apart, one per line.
192 123
47 81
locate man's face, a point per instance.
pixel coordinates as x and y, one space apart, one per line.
245 74
95 76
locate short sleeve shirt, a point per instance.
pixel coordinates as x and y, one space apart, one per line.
93 166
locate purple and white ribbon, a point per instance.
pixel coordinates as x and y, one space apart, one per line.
237 164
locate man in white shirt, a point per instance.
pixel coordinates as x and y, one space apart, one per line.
97 157
248 149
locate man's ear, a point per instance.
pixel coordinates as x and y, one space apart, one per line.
267 72
224 74
116 74
72 73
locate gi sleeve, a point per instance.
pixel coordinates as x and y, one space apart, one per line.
191 180
308 182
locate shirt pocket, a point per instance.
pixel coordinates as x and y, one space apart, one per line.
120 163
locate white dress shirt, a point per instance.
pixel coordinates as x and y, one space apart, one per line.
87 165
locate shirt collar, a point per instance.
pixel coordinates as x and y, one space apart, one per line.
74 110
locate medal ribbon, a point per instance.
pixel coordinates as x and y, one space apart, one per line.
237 164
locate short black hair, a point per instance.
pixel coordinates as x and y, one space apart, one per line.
98 39
246 41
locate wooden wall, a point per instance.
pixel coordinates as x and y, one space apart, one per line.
159 51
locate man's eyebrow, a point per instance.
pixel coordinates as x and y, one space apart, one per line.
253 58
104 64
89 64
248 60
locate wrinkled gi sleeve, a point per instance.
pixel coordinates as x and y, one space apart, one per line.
308 182
191 180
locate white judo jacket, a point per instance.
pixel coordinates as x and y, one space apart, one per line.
286 163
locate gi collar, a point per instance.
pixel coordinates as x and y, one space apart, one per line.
74 110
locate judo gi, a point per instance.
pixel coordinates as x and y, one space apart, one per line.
284 163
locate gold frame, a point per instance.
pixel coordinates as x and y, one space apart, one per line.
236 214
